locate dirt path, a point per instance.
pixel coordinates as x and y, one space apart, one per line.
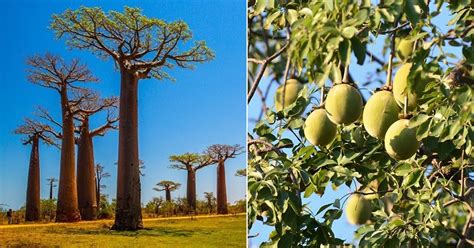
111 221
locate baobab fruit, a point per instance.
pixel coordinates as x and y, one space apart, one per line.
318 129
379 113
404 48
400 89
343 104
400 140
291 90
358 209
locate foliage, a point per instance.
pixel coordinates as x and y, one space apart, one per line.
48 209
317 41
167 185
136 42
106 208
154 206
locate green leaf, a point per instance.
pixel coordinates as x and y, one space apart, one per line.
413 178
323 207
345 51
412 14
403 169
329 4
418 120
285 241
306 11
292 16
259 6
360 50
270 19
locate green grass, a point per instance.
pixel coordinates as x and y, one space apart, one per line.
226 231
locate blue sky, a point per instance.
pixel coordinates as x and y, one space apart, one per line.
341 227
203 107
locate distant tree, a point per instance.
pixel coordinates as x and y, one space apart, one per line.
86 182
190 162
154 205
238 207
141 48
106 209
100 174
53 72
168 208
34 132
168 187
219 155
210 200
51 183
48 208
241 173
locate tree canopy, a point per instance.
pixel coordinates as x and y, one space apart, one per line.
136 42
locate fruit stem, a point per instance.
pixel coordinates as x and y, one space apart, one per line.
405 106
345 78
388 83
321 102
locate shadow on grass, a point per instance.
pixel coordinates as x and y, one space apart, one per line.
148 232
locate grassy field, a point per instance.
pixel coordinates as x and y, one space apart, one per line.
205 231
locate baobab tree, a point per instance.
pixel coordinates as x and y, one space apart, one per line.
168 187
52 184
219 155
141 48
34 132
86 183
210 199
190 162
100 174
53 72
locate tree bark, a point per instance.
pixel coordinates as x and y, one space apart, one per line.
86 192
32 212
128 212
221 189
191 189
168 195
67 206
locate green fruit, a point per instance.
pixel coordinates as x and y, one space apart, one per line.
343 104
358 209
379 113
400 89
293 88
404 48
400 140
318 129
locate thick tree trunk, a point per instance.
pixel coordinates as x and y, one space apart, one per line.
191 189
32 212
168 195
221 189
67 207
86 192
128 212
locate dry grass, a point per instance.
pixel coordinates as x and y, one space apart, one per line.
210 231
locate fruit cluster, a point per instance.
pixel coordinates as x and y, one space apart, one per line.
382 117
